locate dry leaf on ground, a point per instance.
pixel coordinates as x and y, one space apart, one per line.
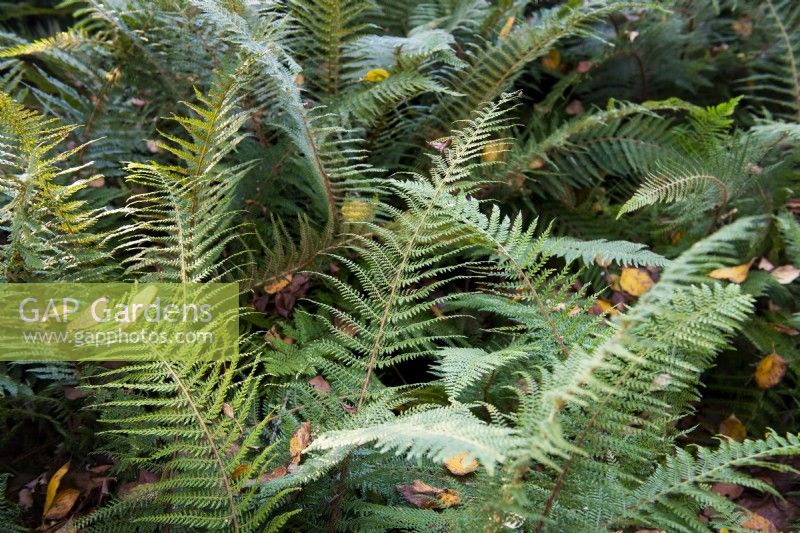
733 428
424 496
785 274
736 274
635 281
458 466
62 504
300 440
770 371
52 486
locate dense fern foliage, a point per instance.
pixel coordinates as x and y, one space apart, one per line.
503 265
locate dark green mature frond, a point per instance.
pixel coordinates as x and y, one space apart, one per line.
775 80
493 68
331 153
326 30
9 514
677 490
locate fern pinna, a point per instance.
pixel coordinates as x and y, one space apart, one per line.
504 265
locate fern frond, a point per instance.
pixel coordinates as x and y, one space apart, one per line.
49 228
185 218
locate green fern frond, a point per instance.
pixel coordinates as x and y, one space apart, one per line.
184 220
49 227
190 423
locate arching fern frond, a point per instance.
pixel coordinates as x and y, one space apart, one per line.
184 220
49 228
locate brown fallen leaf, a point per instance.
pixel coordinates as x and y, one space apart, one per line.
730 491
536 163
603 307
457 465
227 410
73 393
786 330
635 281
785 274
62 504
575 107
144 478
733 428
552 60
239 471
25 498
321 385
764 264
583 67
770 371
52 486
275 474
300 440
743 27
736 274
420 494
759 523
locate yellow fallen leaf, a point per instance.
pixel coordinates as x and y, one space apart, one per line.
62 504
357 211
52 486
507 27
300 440
553 60
735 274
494 152
458 467
635 281
733 428
770 371
603 307
376 75
278 285
676 237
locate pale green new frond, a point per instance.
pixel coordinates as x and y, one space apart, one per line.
601 251
436 434
459 368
